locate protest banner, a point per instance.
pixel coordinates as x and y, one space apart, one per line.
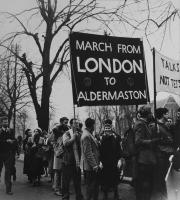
107 70
167 74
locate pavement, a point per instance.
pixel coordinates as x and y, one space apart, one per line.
25 191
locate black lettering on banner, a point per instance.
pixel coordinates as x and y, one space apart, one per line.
164 80
175 83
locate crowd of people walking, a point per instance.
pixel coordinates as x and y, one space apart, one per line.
68 151
71 150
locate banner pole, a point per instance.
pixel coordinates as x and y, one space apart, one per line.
74 110
155 93
72 77
146 79
136 108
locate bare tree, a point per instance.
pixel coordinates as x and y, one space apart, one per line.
55 19
100 113
122 116
22 122
13 85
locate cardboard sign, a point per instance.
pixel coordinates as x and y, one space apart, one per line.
107 70
167 74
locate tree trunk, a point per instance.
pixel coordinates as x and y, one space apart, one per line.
43 117
10 114
43 113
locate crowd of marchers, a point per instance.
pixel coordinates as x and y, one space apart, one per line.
72 150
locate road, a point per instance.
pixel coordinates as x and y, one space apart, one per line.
24 191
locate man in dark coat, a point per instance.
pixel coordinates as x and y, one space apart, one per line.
6 155
146 159
176 131
163 152
110 154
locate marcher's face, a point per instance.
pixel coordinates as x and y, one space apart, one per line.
65 122
149 117
36 131
30 133
108 127
75 124
5 125
166 115
178 115
169 121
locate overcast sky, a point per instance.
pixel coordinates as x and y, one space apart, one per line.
62 93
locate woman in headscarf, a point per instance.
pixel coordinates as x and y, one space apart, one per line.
37 154
26 148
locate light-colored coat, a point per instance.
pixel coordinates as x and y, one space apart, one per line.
66 137
89 151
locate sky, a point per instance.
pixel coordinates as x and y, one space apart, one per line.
62 90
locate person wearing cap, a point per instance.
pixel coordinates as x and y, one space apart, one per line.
36 154
145 143
110 154
27 157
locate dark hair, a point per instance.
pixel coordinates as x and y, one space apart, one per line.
108 121
178 110
26 131
71 121
62 119
38 130
19 137
160 112
89 122
144 111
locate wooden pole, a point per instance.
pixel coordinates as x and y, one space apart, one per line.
72 77
155 93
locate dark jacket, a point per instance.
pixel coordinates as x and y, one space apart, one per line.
6 147
144 143
165 144
176 134
110 150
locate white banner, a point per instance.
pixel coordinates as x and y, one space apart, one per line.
167 74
